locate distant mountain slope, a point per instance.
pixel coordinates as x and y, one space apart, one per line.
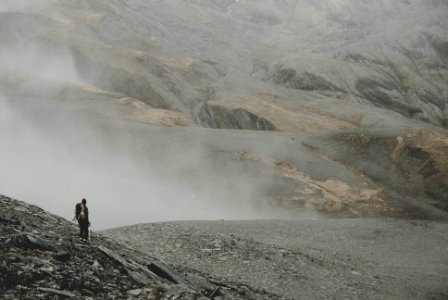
211 60
353 94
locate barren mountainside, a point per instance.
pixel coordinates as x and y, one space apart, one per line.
344 102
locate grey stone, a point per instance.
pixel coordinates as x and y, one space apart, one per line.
57 292
32 242
164 271
135 292
139 273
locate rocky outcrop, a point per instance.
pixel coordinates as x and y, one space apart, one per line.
41 257
215 116
411 165
379 94
302 81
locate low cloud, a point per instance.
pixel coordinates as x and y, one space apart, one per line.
129 173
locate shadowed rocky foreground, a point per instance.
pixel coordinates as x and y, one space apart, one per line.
42 258
307 258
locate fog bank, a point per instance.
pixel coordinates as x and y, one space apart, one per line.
53 158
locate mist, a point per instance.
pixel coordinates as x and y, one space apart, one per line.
15 5
56 158
55 152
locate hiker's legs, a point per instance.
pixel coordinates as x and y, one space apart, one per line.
85 231
80 229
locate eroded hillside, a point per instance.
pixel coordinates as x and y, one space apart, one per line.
353 95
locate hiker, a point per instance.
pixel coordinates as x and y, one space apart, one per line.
82 216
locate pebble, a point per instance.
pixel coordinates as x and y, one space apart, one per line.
135 292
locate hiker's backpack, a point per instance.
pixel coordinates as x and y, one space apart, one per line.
79 212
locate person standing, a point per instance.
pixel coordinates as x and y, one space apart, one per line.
82 216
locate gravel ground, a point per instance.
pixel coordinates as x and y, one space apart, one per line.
307 258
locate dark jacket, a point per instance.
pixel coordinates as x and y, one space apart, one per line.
84 220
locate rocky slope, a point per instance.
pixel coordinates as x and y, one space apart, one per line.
41 257
308 257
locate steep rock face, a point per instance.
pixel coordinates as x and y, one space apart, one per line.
42 258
